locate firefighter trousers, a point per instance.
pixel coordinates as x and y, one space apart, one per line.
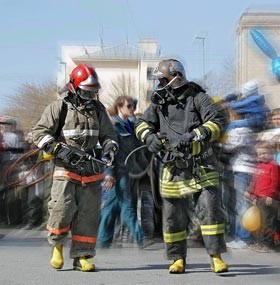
207 206
74 207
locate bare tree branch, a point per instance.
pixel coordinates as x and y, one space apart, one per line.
221 83
29 101
123 84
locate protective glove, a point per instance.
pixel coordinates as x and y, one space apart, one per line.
109 152
68 155
52 147
186 139
153 143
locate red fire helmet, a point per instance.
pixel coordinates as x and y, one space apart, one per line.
83 77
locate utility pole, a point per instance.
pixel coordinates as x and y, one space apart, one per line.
202 38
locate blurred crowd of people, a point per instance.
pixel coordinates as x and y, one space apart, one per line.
249 159
248 156
24 183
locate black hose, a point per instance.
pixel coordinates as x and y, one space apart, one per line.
141 174
155 190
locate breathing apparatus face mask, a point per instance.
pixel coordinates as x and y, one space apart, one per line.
163 91
87 95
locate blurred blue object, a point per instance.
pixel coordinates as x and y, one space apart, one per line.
276 67
263 44
231 97
268 50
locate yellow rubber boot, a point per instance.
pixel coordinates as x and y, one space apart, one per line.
82 264
217 264
57 257
178 266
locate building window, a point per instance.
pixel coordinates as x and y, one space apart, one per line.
150 73
149 94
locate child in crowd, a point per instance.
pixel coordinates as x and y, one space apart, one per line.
274 128
264 191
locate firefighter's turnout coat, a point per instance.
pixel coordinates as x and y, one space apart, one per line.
193 174
75 193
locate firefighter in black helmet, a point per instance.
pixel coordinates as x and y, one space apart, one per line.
181 125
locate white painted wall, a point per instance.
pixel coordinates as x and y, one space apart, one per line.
110 68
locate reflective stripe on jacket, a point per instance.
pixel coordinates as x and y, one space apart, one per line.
175 184
77 177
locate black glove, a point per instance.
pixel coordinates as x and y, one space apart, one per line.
52 147
68 155
109 152
153 143
186 139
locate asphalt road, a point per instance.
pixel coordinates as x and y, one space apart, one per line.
25 260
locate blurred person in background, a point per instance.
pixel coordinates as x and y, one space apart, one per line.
274 128
12 143
239 142
122 198
276 143
251 108
33 191
227 177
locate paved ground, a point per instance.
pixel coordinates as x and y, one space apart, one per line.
25 260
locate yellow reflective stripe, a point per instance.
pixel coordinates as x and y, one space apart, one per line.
212 229
172 195
197 131
56 147
166 173
174 237
179 191
209 227
177 184
196 147
142 126
179 188
143 135
214 128
189 182
202 170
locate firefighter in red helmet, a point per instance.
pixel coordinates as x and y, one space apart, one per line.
69 129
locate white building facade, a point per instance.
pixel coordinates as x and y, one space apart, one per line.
122 70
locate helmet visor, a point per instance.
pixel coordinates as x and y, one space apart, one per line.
87 94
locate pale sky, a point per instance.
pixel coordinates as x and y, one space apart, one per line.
32 32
